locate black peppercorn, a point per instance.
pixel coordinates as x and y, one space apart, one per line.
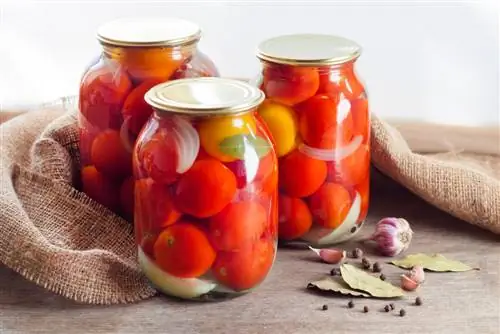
387 308
365 309
335 272
350 304
325 307
377 267
402 312
366 263
418 301
391 305
382 277
357 253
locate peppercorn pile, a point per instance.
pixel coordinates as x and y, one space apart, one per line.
363 278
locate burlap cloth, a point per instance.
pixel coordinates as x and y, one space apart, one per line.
57 237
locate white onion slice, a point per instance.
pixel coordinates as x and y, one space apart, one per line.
125 137
321 236
333 154
175 286
187 141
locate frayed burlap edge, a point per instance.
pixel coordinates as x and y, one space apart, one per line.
462 191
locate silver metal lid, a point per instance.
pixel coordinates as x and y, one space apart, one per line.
204 96
308 50
148 32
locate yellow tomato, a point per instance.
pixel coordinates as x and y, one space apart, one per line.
149 63
213 131
282 122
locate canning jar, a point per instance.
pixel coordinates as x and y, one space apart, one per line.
205 189
136 55
316 108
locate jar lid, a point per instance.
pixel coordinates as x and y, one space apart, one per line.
204 96
148 32
308 50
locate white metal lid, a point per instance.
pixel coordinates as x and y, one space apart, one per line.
204 96
148 32
308 50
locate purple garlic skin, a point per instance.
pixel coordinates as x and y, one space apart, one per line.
392 236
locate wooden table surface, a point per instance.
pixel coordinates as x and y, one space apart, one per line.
453 302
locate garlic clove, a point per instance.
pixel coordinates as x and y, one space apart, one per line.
417 274
330 255
408 284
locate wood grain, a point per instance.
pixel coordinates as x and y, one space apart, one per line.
453 302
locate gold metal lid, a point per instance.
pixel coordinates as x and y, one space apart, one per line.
204 96
308 50
148 32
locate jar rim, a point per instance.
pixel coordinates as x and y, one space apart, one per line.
148 32
308 50
208 96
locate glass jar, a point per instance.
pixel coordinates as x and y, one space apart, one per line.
205 190
316 108
137 54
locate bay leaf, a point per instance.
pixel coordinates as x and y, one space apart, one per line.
432 262
238 146
337 285
360 280
261 146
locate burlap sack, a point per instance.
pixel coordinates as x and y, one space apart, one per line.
60 239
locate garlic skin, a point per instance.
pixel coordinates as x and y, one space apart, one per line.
392 236
408 284
417 274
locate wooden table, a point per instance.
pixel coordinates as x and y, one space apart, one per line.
453 302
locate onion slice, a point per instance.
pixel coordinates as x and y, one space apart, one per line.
321 236
179 287
125 136
333 154
187 141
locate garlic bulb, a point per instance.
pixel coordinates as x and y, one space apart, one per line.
392 236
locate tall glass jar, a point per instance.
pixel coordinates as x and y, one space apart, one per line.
205 189
316 108
137 54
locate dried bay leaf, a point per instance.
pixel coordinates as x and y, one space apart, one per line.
336 285
433 262
360 280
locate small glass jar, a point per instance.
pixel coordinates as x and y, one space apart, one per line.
137 54
205 190
317 111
